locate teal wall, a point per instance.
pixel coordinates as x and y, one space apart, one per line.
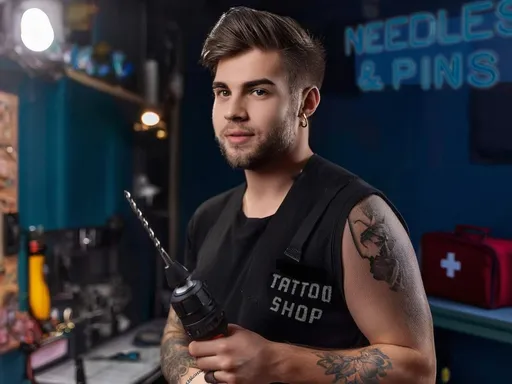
75 154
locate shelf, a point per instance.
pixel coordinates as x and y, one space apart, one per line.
102 86
493 324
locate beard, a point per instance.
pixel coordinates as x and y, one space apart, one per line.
278 141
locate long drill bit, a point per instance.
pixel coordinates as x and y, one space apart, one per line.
167 259
176 274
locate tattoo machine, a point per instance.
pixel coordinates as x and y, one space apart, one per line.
199 313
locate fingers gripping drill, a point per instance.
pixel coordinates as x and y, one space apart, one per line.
199 313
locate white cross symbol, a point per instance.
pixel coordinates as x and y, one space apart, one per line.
450 264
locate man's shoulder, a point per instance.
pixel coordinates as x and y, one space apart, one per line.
357 189
337 175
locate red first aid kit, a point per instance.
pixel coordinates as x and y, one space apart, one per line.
468 266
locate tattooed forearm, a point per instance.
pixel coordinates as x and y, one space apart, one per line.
366 368
375 242
175 359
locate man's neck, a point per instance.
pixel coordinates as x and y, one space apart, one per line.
267 187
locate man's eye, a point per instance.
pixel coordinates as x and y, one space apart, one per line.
259 92
222 93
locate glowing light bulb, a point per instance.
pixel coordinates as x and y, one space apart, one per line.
37 33
150 118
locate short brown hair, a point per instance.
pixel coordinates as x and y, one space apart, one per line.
241 29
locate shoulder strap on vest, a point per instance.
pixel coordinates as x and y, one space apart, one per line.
211 243
294 250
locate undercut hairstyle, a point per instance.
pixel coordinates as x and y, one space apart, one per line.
242 29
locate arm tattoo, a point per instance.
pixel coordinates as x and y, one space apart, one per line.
174 357
375 242
366 368
189 380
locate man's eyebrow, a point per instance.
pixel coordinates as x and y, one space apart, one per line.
255 83
247 84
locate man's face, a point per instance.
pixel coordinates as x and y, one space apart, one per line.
254 113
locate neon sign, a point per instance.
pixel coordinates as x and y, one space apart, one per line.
478 21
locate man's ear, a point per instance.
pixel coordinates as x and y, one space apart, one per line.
310 101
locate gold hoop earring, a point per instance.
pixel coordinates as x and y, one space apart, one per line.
304 123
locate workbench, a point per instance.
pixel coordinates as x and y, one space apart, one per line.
146 370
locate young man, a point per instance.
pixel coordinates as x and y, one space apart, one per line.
313 265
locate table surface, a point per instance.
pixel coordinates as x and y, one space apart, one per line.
495 324
108 372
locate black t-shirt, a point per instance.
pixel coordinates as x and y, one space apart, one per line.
285 287
243 235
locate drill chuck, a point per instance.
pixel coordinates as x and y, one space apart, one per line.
200 315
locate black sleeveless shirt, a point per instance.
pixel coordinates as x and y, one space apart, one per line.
282 276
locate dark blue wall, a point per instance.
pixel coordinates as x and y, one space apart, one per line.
75 148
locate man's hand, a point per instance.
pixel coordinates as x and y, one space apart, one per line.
243 357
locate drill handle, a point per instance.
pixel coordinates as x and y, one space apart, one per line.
220 331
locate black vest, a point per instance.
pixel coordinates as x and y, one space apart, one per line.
292 283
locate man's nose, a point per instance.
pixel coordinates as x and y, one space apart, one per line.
237 110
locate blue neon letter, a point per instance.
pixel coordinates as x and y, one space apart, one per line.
443 37
483 67
504 13
416 19
392 31
449 70
371 36
469 20
403 68
426 73
355 39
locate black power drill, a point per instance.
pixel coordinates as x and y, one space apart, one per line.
199 313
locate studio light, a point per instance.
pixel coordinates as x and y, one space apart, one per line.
36 30
38 25
33 33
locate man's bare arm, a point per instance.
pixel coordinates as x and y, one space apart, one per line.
176 363
385 295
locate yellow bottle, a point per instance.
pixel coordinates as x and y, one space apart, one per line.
38 292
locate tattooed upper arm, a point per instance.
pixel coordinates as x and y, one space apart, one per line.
379 240
382 281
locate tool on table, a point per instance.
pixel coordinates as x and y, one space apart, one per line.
200 315
131 356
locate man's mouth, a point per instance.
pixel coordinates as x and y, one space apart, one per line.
239 137
239 134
